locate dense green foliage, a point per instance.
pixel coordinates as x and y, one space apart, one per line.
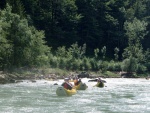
76 34
21 45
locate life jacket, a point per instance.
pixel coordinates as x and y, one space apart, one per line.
75 82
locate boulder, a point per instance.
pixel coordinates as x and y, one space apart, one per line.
18 81
12 81
55 84
3 79
33 81
83 75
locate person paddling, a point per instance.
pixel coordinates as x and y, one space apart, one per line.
76 81
66 84
100 82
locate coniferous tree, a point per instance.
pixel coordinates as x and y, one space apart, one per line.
17 7
58 18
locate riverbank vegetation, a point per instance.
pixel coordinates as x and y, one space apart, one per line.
104 37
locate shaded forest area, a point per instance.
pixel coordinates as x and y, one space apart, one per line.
76 34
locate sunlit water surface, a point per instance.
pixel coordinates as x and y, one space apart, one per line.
118 96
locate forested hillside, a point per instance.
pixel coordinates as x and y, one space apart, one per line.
104 29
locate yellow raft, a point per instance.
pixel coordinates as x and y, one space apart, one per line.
81 86
100 84
61 91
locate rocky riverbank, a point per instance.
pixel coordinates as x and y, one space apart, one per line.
15 77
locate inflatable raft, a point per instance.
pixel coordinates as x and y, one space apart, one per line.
100 84
61 91
81 86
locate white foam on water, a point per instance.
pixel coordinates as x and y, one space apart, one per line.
119 95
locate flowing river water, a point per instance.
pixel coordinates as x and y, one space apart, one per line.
120 95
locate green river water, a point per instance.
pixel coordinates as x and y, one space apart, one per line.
120 95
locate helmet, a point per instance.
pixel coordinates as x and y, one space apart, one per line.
66 79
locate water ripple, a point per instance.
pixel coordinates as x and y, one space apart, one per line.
119 96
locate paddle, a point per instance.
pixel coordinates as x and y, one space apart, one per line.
95 80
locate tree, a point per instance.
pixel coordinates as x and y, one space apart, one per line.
58 18
135 31
103 51
101 24
17 7
22 45
116 50
134 54
129 65
147 18
135 8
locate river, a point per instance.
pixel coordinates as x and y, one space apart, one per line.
120 95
